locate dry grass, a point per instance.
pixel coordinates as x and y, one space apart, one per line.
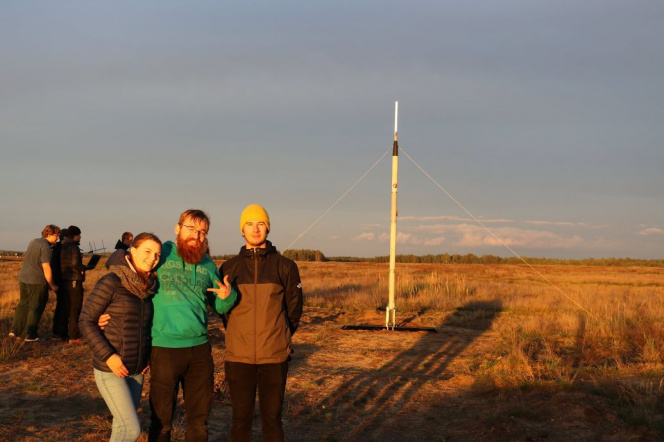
513 359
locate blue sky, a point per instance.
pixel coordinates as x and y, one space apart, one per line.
543 119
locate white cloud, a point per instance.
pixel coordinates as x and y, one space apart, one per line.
408 238
564 224
469 234
434 241
651 231
517 237
367 236
403 238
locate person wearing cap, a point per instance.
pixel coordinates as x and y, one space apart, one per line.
34 279
73 275
260 327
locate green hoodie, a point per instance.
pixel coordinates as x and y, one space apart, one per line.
180 305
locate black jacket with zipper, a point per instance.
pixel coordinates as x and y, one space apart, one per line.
128 331
260 326
71 261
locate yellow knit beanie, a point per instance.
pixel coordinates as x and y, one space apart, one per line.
254 212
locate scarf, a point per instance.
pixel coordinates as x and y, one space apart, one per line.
132 282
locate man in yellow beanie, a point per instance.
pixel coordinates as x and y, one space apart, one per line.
260 326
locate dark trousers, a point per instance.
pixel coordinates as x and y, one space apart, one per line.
31 304
193 367
73 291
243 380
61 314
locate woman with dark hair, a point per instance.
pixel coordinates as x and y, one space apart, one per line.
121 350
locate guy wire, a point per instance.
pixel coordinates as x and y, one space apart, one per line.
498 238
338 200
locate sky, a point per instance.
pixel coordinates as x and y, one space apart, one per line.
541 120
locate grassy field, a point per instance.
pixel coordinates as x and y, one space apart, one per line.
580 357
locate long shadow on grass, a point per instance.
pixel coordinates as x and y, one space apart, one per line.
371 398
35 416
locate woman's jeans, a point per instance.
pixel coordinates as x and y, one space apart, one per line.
122 396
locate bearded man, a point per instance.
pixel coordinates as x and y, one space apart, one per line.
181 352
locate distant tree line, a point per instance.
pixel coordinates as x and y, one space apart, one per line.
471 258
445 258
11 253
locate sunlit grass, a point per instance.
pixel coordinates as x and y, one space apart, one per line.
592 320
597 325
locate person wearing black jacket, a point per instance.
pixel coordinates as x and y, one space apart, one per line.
60 326
121 248
121 350
259 328
73 275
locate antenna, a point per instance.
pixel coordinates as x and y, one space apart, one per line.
93 247
390 311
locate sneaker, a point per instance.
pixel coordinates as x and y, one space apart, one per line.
12 335
29 339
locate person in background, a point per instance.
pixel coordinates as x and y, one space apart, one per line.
259 328
34 280
60 326
73 275
121 350
121 248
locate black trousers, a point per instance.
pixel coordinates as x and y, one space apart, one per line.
194 368
61 314
73 291
270 380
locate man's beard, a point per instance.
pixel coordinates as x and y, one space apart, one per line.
190 251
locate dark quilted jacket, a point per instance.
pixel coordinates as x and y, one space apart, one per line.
127 333
71 261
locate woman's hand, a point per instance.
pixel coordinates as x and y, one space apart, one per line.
117 366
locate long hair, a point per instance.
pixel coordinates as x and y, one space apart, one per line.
139 239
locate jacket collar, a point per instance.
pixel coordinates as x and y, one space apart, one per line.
260 252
